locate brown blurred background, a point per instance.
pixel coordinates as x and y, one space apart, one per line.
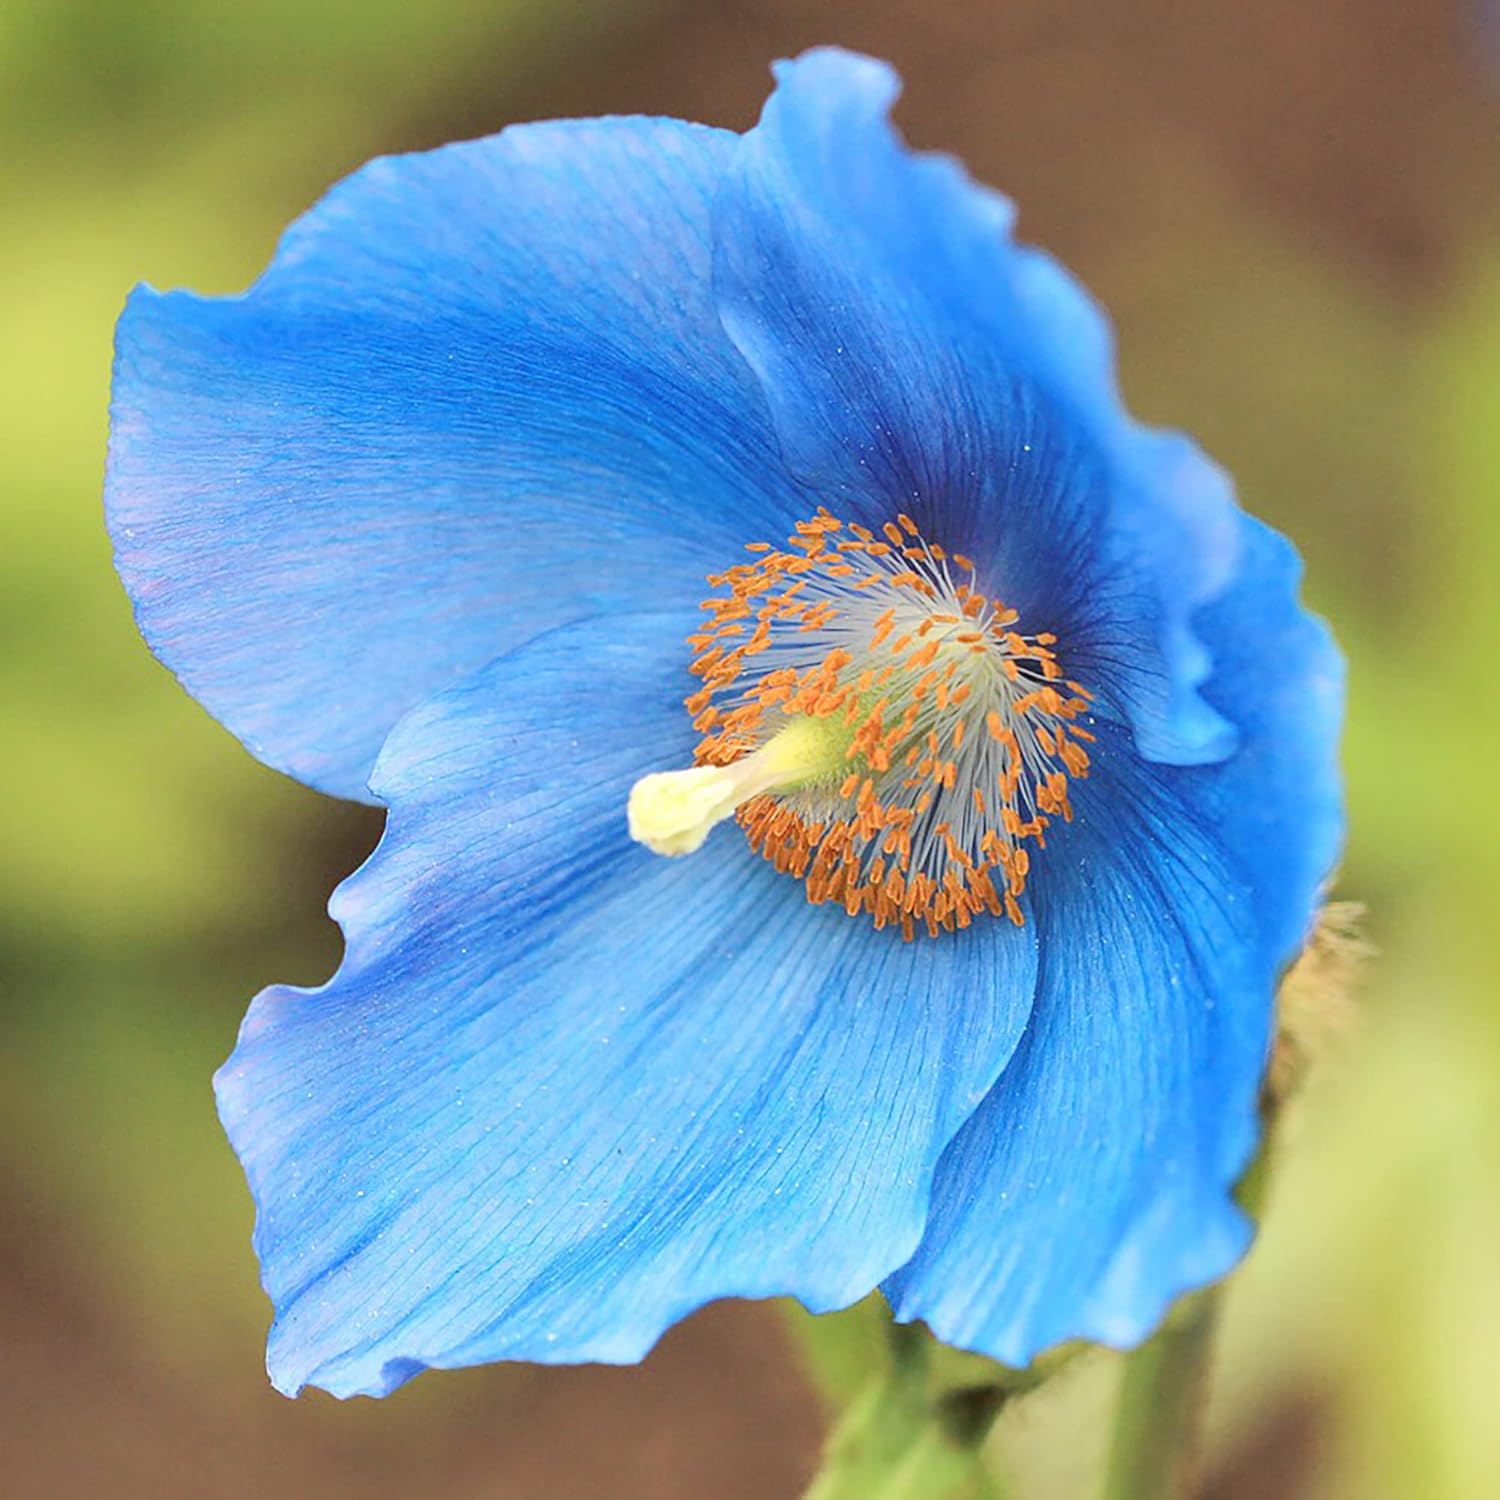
1290 209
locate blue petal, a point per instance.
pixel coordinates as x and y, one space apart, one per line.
916 359
477 393
561 1091
1093 1185
1279 676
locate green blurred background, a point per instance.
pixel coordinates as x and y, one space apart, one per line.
1291 210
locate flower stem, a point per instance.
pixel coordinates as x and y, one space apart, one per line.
911 1434
1165 1388
1164 1393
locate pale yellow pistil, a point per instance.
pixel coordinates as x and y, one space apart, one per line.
672 812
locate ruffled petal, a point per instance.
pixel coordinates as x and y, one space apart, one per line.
1093 1185
1278 808
560 1091
916 359
478 392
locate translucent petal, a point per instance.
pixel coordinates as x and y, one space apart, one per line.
916 359
562 1091
1093 1185
478 392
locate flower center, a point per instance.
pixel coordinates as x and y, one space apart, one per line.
877 726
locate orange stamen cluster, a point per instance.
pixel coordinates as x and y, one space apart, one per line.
959 735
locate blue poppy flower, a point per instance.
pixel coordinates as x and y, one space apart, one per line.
1031 747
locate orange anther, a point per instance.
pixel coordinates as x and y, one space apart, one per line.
796 632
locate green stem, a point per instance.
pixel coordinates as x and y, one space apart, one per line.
1161 1403
911 1435
1164 1391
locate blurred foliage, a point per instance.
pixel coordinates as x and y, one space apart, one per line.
152 876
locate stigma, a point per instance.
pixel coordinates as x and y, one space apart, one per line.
672 812
878 726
